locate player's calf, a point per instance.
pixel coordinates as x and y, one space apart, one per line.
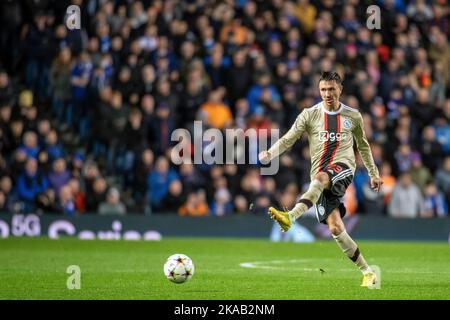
351 250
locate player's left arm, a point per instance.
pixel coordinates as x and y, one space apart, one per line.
366 153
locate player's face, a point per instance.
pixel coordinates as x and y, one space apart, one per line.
330 91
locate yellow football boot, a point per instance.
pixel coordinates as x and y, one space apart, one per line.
282 217
369 279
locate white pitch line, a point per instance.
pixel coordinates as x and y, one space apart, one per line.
260 265
275 264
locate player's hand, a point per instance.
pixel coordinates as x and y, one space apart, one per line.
376 183
265 156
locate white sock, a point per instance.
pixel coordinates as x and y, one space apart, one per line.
350 248
308 199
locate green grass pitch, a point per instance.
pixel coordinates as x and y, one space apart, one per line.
225 269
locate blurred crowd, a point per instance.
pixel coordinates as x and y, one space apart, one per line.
86 115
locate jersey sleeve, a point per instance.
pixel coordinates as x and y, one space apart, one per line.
294 133
364 147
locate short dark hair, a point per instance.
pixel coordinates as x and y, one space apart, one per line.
330 76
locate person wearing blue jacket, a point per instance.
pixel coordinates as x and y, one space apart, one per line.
255 93
158 182
30 184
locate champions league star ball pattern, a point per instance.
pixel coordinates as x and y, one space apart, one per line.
179 268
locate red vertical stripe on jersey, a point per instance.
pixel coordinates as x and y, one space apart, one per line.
325 146
337 140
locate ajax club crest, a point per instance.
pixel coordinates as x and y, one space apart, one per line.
347 123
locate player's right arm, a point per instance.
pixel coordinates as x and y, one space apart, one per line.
286 141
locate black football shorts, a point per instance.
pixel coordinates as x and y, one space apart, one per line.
341 176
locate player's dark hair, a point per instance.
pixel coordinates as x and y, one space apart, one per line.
330 76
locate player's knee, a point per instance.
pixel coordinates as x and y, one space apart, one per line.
323 178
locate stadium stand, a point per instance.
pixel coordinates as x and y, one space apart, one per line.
86 115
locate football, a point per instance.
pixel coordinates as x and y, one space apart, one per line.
179 268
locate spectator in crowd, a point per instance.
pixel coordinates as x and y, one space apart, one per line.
134 141
443 179
115 122
78 195
17 165
142 170
261 203
389 182
403 157
43 128
373 201
112 205
90 173
195 205
66 200
193 97
420 175
286 174
3 206
159 180
361 178
30 116
190 177
214 112
60 86
266 196
6 89
251 185
9 196
36 47
46 202
217 65
59 176
5 121
260 91
164 96
15 133
53 148
162 128
442 129
435 204
239 76
43 162
79 80
241 205
221 204
30 144
430 149
304 167
97 195
174 199
231 174
76 167
30 184
407 200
